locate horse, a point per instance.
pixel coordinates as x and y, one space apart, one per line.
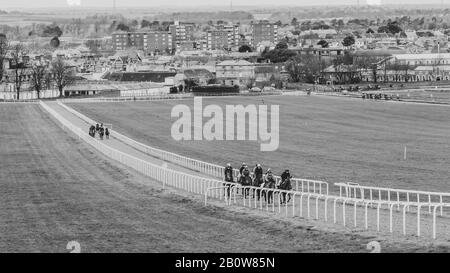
257 182
92 131
269 184
228 179
245 181
285 185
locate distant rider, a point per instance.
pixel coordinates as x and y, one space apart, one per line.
257 179
245 180
269 184
228 178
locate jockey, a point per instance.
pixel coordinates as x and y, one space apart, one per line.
258 172
246 172
242 168
285 186
92 131
228 178
286 174
101 133
257 179
245 180
269 183
229 173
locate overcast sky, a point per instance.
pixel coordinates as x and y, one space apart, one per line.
137 3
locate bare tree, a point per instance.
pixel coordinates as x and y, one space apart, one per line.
3 51
365 64
397 69
406 68
63 75
38 77
18 53
305 68
374 70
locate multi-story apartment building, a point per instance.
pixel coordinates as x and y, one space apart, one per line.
149 41
233 34
223 37
186 46
181 32
217 39
264 31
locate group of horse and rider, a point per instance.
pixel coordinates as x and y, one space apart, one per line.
259 179
100 130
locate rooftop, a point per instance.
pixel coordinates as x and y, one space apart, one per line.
425 56
234 63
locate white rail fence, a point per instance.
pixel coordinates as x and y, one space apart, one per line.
21 101
369 193
128 99
317 205
28 95
303 185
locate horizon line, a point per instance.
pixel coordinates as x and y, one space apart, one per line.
12 8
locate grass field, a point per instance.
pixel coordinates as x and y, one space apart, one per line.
54 189
327 138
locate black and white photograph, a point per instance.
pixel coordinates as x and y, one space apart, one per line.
225 133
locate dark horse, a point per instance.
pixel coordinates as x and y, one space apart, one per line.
229 179
92 131
258 181
269 184
245 180
286 186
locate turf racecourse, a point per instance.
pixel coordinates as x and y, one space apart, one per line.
55 189
332 139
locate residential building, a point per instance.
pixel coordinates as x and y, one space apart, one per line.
148 41
268 74
181 32
200 76
223 37
233 34
187 46
264 31
217 39
232 73
386 43
422 59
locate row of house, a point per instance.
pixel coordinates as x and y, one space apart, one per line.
228 73
397 68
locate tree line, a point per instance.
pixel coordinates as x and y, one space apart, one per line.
39 74
347 68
